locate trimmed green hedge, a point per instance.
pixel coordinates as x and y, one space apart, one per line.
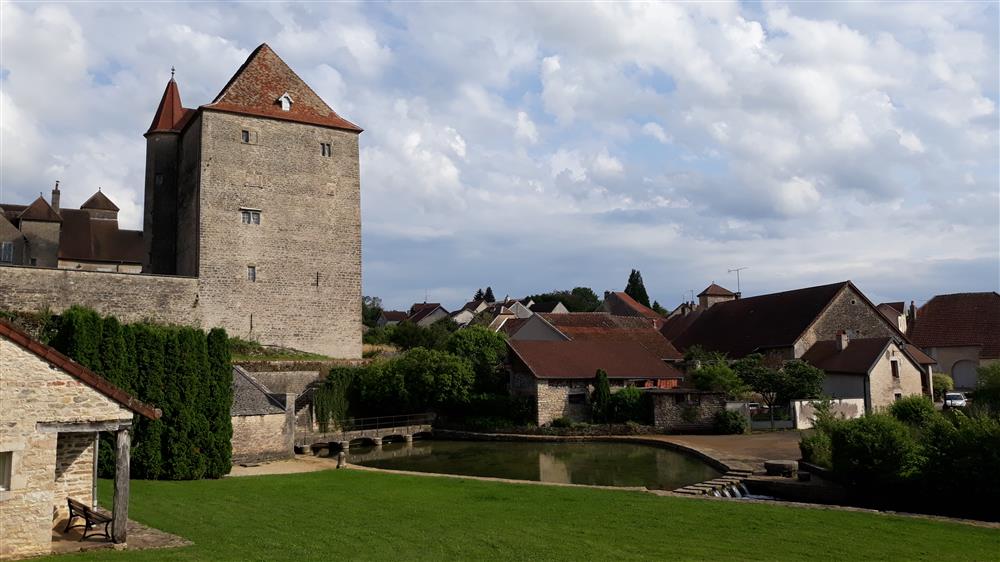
183 371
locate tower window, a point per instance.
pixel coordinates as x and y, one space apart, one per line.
158 180
252 273
245 136
325 149
250 216
7 252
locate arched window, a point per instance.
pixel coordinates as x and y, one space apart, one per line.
286 102
964 374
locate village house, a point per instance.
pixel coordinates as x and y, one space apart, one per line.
789 324
263 421
468 312
552 307
559 375
53 410
426 313
390 317
620 303
961 332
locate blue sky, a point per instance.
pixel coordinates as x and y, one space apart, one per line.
533 147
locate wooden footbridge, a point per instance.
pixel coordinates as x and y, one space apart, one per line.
371 430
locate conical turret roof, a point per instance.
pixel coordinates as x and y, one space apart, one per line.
170 114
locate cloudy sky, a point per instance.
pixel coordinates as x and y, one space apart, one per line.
542 146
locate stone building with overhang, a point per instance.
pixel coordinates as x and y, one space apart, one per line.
251 222
52 412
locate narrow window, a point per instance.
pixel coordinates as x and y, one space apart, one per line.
34 261
246 216
6 462
325 149
252 273
895 369
245 136
158 180
898 396
7 252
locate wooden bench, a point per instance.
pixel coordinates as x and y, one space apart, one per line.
90 517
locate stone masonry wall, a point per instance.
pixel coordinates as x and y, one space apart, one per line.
847 311
74 470
31 392
262 438
669 414
883 386
129 297
553 401
307 247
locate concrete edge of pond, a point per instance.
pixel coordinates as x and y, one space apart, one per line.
494 479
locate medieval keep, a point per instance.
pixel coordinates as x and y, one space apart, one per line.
252 222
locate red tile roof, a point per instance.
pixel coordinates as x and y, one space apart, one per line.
100 202
740 327
857 358
420 311
600 326
676 325
510 326
582 359
619 303
170 115
263 78
714 290
77 371
918 355
394 315
960 319
40 210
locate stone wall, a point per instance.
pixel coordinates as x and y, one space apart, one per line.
847 311
307 247
32 393
129 297
263 438
883 388
74 470
676 412
848 409
553 400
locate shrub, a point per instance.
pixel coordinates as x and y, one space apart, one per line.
942 384
874 451
513 410
378 336
331 400
718 377
728 422
561 422
628 404
817 448
987 394
601 399
914 410
965 447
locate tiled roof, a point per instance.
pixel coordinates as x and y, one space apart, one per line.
544 306
40 210
582 359
170 115
394 315
674 326
619 303
420 311
263 78
857 358
599 326
473 305
512 325
739 327
918 355
77 371
958 320
99 201
714 290
83 238
251 398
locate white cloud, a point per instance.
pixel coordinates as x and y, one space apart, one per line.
526 128
656 131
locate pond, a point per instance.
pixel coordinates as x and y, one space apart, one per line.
594 463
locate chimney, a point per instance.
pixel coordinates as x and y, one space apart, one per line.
55 197
738 295
842 340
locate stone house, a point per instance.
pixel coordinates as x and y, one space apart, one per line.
789 323
251 222
961 332
685 410
600 326
468 312
53 410
263 421
559 375
390 318
878 370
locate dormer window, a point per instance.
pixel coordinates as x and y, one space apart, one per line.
286 102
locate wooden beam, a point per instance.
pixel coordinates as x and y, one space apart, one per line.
119 512
84 427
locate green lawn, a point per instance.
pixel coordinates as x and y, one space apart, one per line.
363 515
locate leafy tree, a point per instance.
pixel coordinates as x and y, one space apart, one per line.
987 395
579 299
79 337
628 405
486 350
718 376
113 352
942 384
636 289
779 382
433 379
488 295
479 295
371 308
801 381
601 399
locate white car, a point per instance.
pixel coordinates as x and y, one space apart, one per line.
954 400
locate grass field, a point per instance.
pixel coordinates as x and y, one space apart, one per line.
363 515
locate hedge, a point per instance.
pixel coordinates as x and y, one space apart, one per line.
181 370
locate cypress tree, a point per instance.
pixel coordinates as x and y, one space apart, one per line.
601 399
488 295
220 377
176 409
79 337
147 455
636 289
478 295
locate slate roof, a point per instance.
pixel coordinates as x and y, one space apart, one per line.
856 359
582 359
263 78
714 290
40 210
251 398
99 201
739 327
76 370
959 319
600 326
620 304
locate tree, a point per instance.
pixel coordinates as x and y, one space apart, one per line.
479 295
636 289
433 379
801 381
659 309
488 295
371 308
220 402
987 395
601 399
778 382
579 299
486 350
717 376
147 458
942 384
761 378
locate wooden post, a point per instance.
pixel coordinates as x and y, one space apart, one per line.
120 510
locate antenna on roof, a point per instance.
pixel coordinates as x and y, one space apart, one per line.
738 270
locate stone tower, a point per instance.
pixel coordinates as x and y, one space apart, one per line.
259 196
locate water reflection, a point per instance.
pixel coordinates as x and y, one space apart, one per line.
604 464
